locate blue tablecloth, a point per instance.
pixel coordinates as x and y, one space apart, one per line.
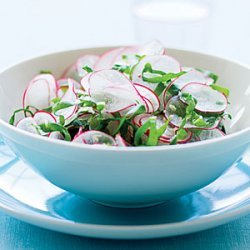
15 234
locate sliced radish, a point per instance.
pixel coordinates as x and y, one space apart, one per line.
152 48
106 61
86 60
56 135
42 117
28 124
149 49
192 76
175 111
40 91
208 99
76 71
163 63
113 88
70 97
94 137
71 72
148 104
210 134
169 132
149 96
120 141
85 82
136 119
63 84
130 52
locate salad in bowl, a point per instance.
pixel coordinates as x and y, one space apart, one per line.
128 96
127 126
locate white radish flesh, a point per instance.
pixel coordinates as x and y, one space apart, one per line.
69 97
152 48
120 141
93 137
106 61
210 134
86 60
113 88
63 85
163 63
28 124
41 90
208 99
130 53
42 117
56 135
149 95
76 71
175 111
192 76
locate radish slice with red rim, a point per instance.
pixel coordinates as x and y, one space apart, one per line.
71 72
28 124
86 60
149 95
175 111
113 88
56 135
40 91
137 119
192 76
70 96
76 71
169 132
208 99
152 48
63 86
64 82
130 53
120 141
163 63
106 61
85 82
42 117
210 134
94 137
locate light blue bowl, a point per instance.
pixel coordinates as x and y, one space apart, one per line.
128 177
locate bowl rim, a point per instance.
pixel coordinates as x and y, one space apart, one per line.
124 149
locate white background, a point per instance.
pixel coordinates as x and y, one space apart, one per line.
33 27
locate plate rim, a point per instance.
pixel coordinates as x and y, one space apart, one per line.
129 231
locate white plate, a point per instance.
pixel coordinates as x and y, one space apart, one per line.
29 197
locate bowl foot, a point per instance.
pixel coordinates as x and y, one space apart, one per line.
127 205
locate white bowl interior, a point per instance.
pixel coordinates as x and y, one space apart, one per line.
232 75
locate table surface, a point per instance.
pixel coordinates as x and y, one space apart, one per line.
30 28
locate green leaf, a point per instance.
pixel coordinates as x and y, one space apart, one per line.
162 129
45 71
159 89
51 127
140 132
136 110
221 89
56 100
12 118
61 105
157 76
87 69
121 123
100 106
61 120
153 133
